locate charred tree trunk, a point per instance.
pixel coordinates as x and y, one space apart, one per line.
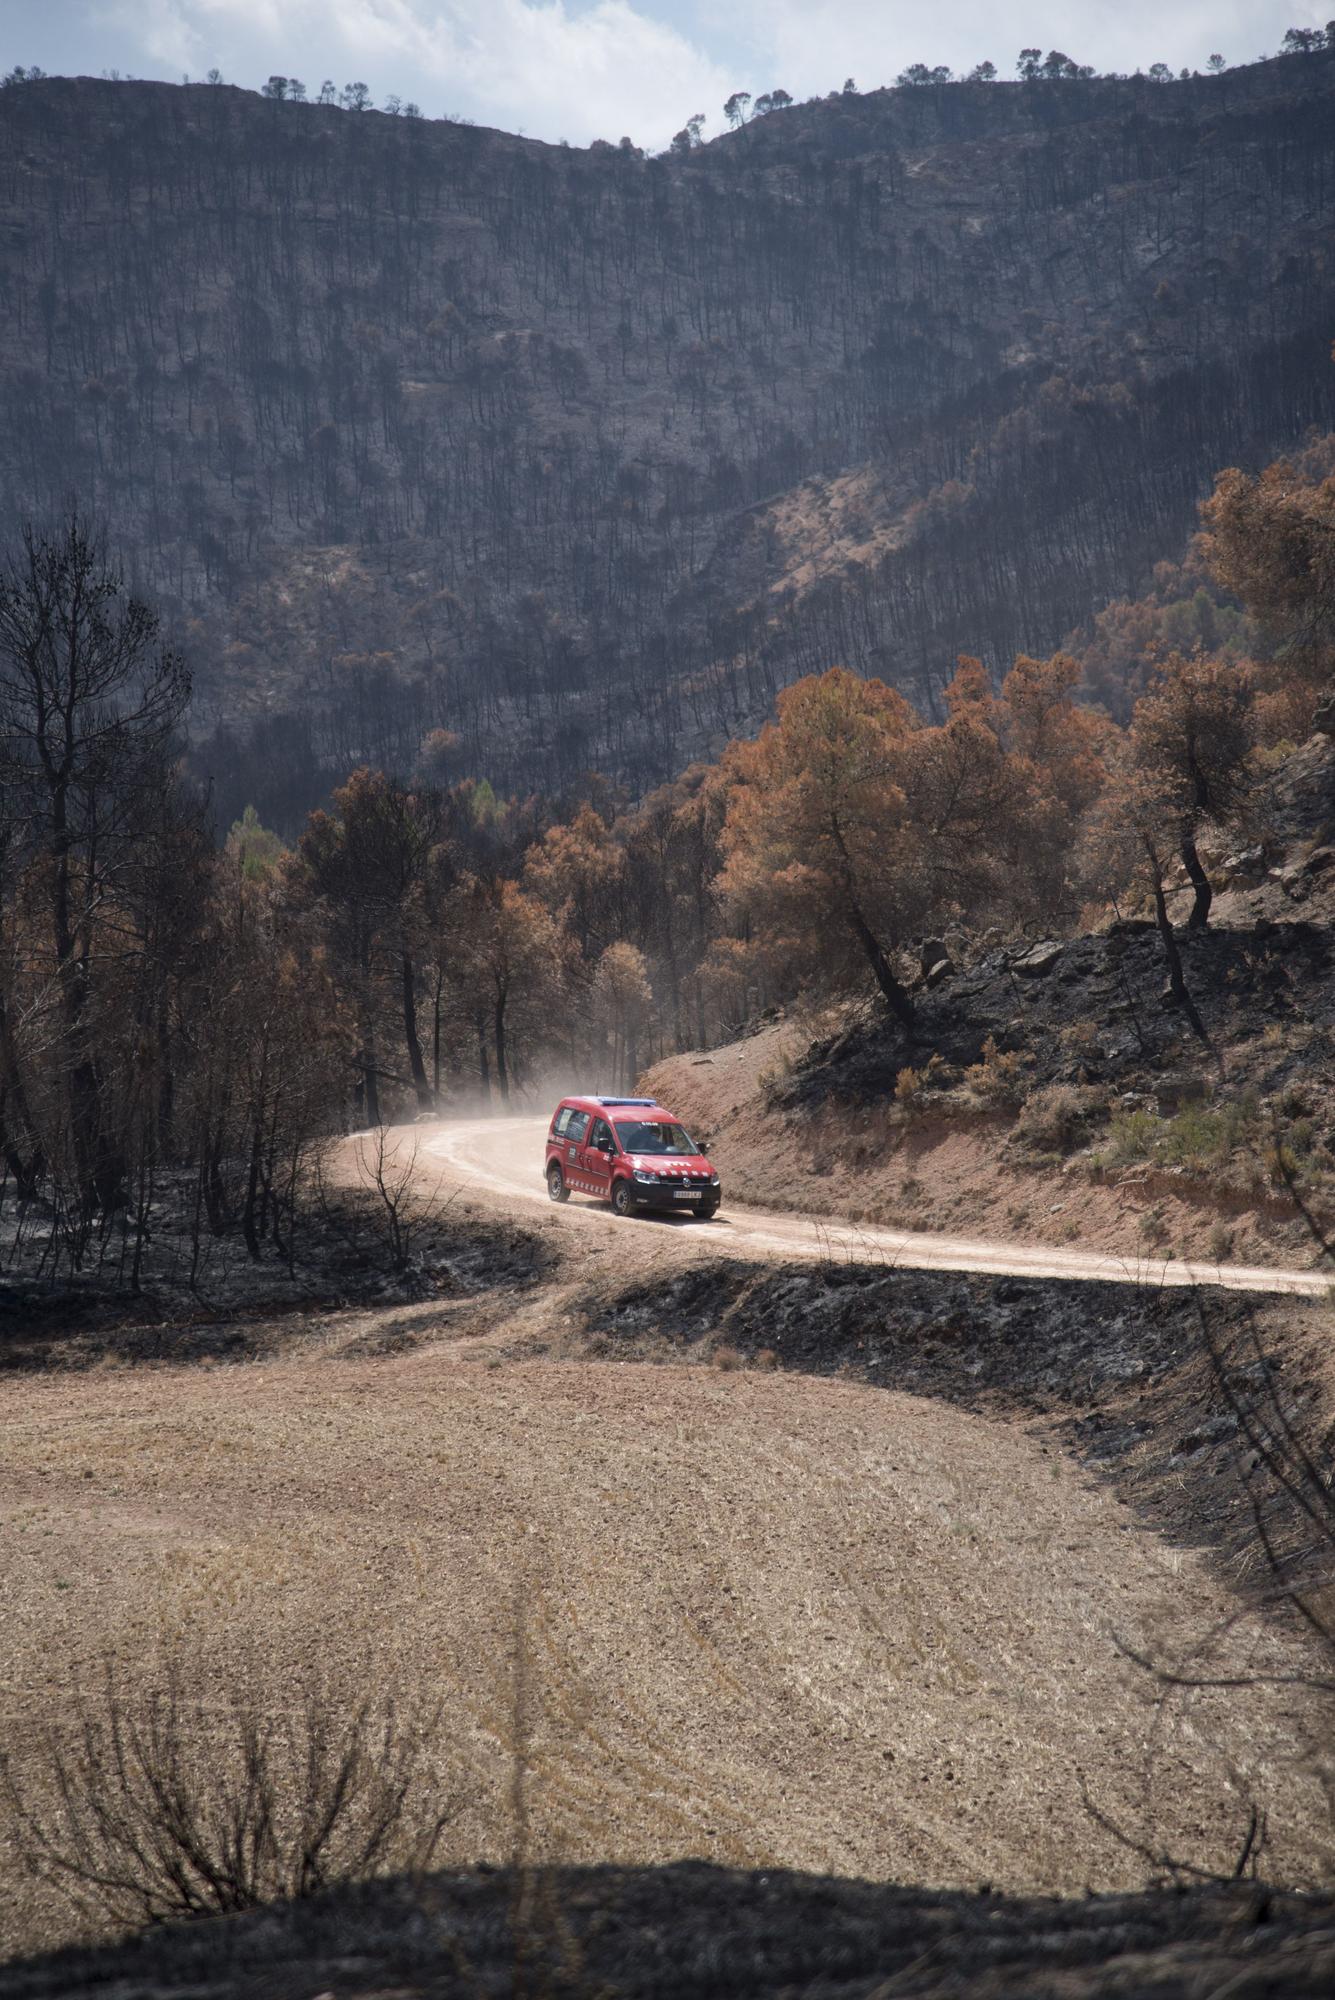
483 1060
368 1064
248 1228
895 996
84 1096
1200 882
166 1085
502 1063
408 977
1177 979
215 1190
29 1165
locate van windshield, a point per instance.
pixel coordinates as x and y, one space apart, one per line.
642 1135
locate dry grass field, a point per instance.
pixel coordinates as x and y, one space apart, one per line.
752 1617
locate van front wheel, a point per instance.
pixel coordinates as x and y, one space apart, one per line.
623 1202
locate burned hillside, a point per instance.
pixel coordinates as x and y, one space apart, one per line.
577 457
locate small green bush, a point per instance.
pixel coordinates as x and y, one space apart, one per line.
1301 1138
1199 1136
1206 1135
1131 1137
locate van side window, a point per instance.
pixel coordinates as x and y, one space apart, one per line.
578 1126
560 1122
601 1134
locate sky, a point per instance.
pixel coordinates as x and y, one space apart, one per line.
588 69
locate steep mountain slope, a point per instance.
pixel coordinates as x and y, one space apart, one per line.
579 456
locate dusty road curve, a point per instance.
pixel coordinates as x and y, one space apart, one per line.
499 1160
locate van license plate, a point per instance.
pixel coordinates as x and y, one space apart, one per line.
687 1194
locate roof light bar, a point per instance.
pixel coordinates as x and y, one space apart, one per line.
625 1100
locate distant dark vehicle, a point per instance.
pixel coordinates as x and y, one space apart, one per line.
630 1152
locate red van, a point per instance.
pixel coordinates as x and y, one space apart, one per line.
631 1152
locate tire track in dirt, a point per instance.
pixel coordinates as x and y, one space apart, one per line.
767 1616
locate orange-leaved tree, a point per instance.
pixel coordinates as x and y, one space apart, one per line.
1191 735
1127 841
972 805
820 845
577 870
1043 722
1063 749
623 1003
1271 540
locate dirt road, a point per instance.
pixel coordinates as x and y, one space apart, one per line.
499 1161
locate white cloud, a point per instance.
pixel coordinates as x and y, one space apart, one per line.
819 42
156 29
598 72
553 68
584 69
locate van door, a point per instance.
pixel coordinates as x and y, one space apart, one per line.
572 1151
598 1153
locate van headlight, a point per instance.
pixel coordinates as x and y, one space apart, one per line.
642 1175
714 1180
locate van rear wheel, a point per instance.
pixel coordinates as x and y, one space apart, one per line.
556 1184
